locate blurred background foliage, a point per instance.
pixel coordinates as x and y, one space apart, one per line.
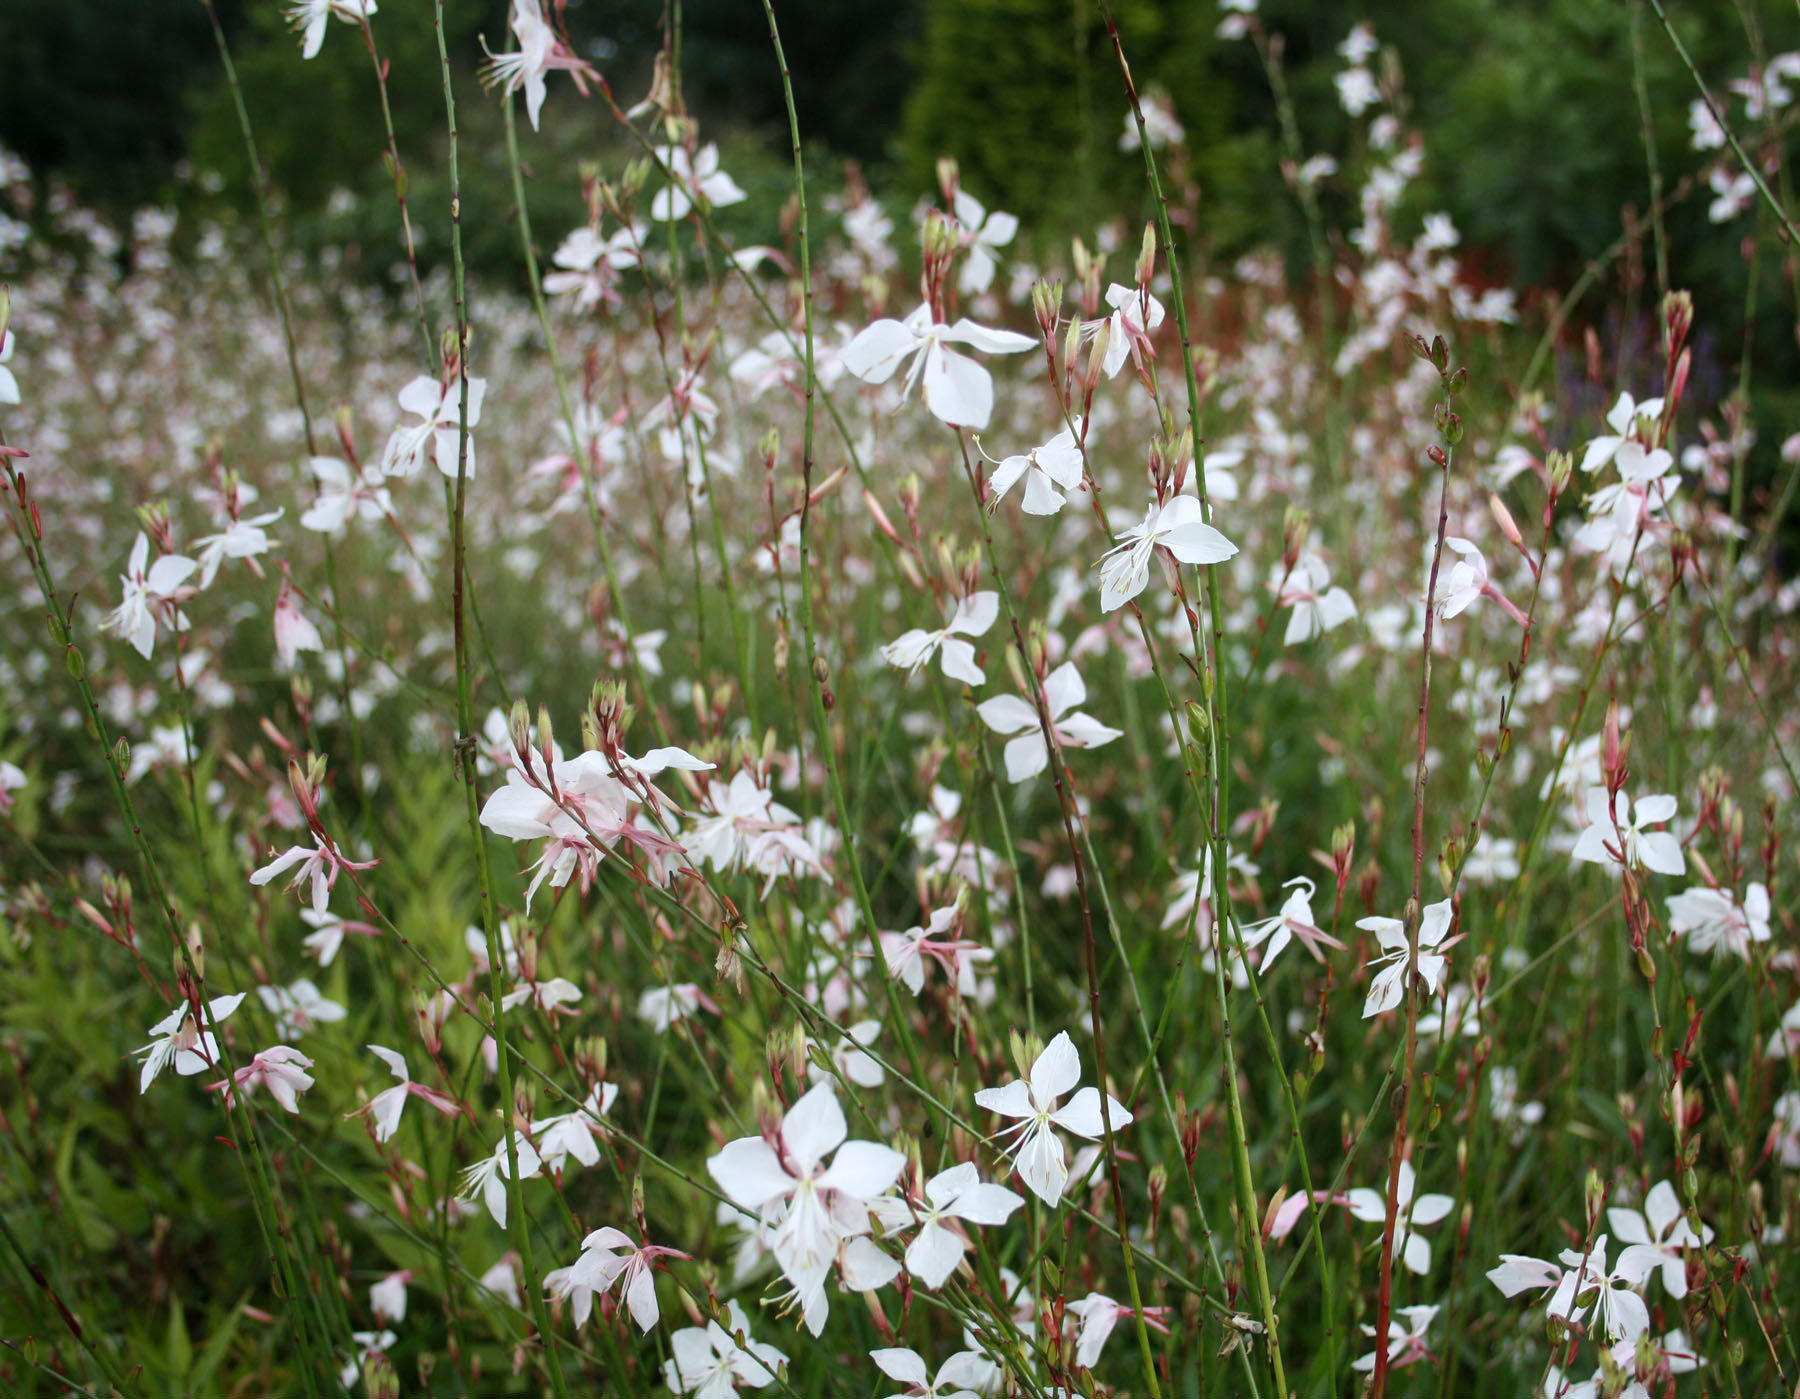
1532 126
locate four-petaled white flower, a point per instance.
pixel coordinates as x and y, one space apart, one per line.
1627 418
714 1361
1615 834
1098 1314
809 1208
1027 754
1136 316
1047 471
240 539
574 1133
179 1040
1468 580
610 1256
1388 988
530 65
958 391
959 1377
437 436
1177 526
972 617
149 591
1659 1230
1609 1292
1410 1215
1036 1149
693 176
1406 1339
1317 606
956 1194
1714 921
588 265
488 1176
344 494
982 233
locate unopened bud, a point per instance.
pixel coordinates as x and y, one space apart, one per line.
1146 260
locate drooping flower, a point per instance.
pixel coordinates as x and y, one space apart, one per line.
1032 1103
972 617
385 1107
280 1069
310 17
958 391
1098 1314
610 1256
1136 316
539 53
1294 920
1026 752
1176 526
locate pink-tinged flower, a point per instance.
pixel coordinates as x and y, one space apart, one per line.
1317 606
344 494
958 391
1468 580
1661 1230
1410 1215
609 1256
1136 316
1388 988
1047 471
695 179
1406 1339
1036 1149
488 1176
747 827
958 1194
972 617
1179 529
329 931
280 1069
1615 834
294 630
588 265
385 1107
177 1039
1026 752
1098 1315
661 1006
311 16
959 1377
1786 1039
319 863
368 1345
1295 920
149 592
714 1361
299 1008
552 996
12 779
1714 921
539 53
808 1209
907 953
436 436
982 233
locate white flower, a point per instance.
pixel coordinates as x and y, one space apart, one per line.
1614 835
299 1007
178 1040
588 264
714 1361
1661 1232
574 1133
9 386
957 1378
809 1208
1036 1149
147 591
311 17
699 176
436 436
1177 526
972 617
958 391
488 1177
1317 607
1047 471
1370 1206
958 1193
1627 418
1136 316
1026 752
1713 921
982 233
1389 986
344 495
